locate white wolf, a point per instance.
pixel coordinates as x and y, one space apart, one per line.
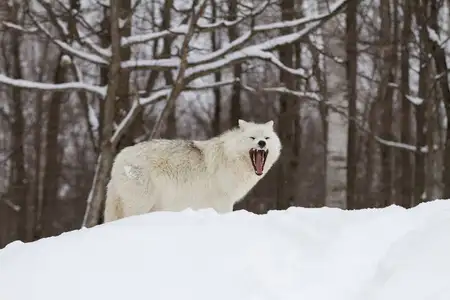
173 175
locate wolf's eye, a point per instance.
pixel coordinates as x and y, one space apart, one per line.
267 137
252 137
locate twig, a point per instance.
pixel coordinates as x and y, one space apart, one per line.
179 82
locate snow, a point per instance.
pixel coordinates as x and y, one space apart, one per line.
408 147
18 27
300 253
66 60
92 117
162 63
434 36
414 100
93 58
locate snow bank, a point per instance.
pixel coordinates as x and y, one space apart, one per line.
310 254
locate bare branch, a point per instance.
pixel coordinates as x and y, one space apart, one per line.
93 58
317 98
180 80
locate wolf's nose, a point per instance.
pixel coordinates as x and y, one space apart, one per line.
262 144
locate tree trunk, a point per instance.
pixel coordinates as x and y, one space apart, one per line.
351 73
215 42
286 185
52 169
424 73
389 65
233 34
369 199
406 178
125 98
440 63
104 163
171 122
19 181
324 116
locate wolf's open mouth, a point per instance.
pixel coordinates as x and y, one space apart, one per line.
258 158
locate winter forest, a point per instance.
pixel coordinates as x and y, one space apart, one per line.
359 92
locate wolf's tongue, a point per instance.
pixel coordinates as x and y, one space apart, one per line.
259 162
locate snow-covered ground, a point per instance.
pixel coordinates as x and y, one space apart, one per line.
307 254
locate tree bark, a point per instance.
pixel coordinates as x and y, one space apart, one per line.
406 178
233 34
389 65
104 163
124 96
424 73
215 42
288 114
441 66
52 167
351 73
19 181
171 122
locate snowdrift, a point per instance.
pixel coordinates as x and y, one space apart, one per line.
310 254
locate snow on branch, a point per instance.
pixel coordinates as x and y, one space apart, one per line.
85 40
182 28
250 52
100 57
412 148
434 36
93 58
231 53
217 60
50 87
162 92
283 90
227 48
414 100
211 85
152 64
80 54
20 28
144 38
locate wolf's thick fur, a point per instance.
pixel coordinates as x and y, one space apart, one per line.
173 175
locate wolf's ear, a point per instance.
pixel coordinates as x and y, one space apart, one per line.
270 123
242 123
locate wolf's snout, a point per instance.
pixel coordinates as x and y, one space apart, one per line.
262 144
